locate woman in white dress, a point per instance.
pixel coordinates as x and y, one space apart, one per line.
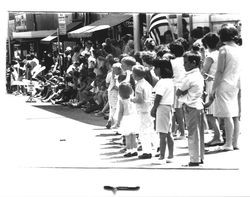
226 87
210 42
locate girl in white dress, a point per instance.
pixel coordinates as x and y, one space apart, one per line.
127 118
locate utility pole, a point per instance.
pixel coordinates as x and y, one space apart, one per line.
136 24
34 22
179 25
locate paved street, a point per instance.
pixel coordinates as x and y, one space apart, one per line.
52 150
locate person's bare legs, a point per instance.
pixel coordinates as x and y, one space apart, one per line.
229 129
236 132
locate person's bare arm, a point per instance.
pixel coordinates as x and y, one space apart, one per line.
220 69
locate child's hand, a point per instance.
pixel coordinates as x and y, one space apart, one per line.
181 93
153 112
211 99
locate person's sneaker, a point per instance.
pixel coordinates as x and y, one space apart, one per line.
160 157
123 150
214 142
157 155
108 125
127 155
134 154
139 148
99 114
225 148
145 156
192 164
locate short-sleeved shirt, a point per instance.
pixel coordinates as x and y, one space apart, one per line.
214 56
194 83
178 70
145 89
110 80
165 88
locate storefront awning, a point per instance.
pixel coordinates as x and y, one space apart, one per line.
48 38
32 34
69 27
104 23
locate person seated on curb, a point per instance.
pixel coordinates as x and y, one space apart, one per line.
68 93
96 101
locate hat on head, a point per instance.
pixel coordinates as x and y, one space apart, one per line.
68 49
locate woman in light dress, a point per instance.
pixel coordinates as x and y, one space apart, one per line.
226 87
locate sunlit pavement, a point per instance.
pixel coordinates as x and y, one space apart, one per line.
59 151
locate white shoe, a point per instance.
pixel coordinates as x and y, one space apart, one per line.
225 148
181 137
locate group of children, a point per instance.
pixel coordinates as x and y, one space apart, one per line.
149 95
148 111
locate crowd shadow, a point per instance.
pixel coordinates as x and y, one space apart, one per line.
73 113
106 135
111 147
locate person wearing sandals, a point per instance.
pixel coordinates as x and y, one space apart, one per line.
210 42
162 108
226 87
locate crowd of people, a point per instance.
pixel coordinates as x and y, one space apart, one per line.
149 97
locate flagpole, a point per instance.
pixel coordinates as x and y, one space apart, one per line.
58 44
136 25
179 25
171 29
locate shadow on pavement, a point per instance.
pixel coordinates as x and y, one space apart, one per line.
111 147
113 143
106 135
111 153
75 114
126 160
182 154
215 152
114 157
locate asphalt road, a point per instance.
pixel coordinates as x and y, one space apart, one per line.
58 151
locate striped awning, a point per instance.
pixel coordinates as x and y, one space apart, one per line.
32 34
104 23
48 38
53 36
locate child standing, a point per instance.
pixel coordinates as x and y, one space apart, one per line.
190 93
142 99
111 79
127 118
177 49
162 109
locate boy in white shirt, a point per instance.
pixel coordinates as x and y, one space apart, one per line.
190 93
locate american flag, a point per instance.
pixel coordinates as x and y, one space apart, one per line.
156 21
